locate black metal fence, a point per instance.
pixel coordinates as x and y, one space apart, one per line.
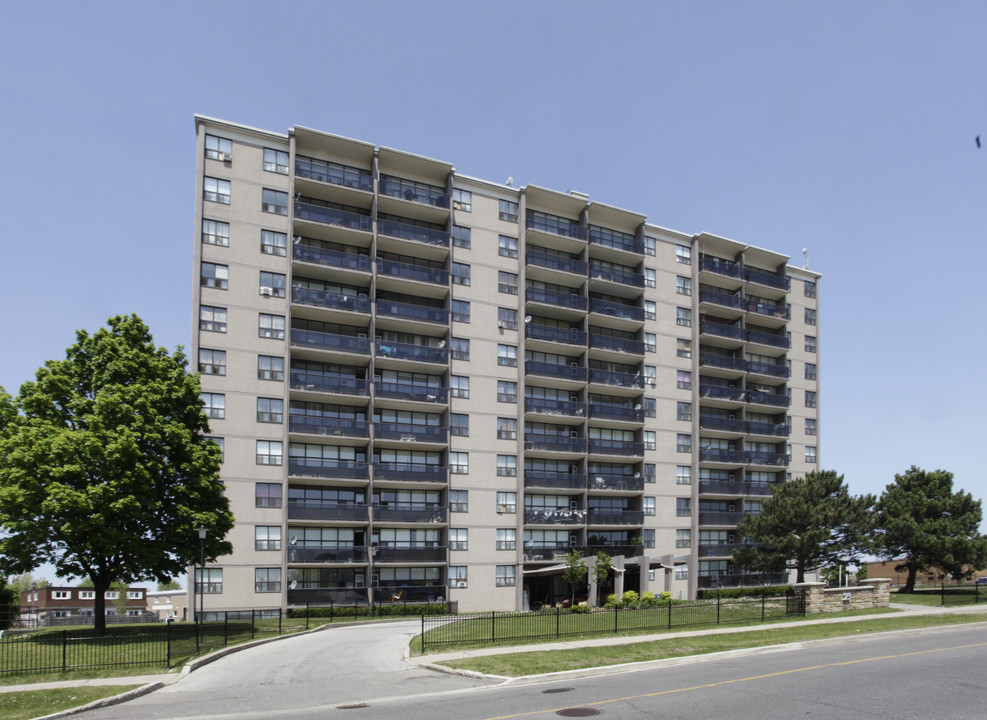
378 609
495 627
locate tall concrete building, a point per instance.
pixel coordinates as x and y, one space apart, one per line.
430 386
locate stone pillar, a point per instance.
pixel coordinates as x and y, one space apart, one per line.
618 576
882 590
591 580
813 596
669 571
644 564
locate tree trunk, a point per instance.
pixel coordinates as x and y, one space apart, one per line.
910 580
99 604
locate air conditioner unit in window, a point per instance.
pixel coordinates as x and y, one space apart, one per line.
266 291
226 157
460 583
573 539
502 508
501 324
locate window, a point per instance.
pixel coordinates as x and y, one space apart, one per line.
460 311
212 319
273 243
459 501
111 594
270 410
218 148
505 576
267 537
683 475
507 465
810 398
507 319
274 201
507 246
683 254
214 405
810 426
683 443
508 211
267 495
459 463
650 310
462 200
507 502
810 288
61 594
649 505
267 579
222 447
215 233
216 190
507 282
272 284
459 424
810 371
212 362
683 507
650 342
506 391
461 236
276 161
215 276
810 316
460 348
271 326
650 407
683 379
648 536
650 245
650 440
506 539
650 375
684 411
506 429
459 386
650 472
681 572
270 367
810 453
683 348
683 317
208 581
86 595
810 343
460 273
458 576
650 278
458 539
269 452
683 285
507 355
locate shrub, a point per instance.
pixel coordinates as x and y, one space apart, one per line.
579 609
613 603
630 598
767 591
648 599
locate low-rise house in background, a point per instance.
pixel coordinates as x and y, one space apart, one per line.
52 605
168 604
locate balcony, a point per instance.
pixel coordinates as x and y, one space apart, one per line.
721 267
720 487
773 369
548 406
616 412
761 277
616 275
774 459
617 310
410 432
606 377
624 483
721 298
409 311
409 513
328 596
567 372
411 472
554 443
412 554
320 382
410 391
558 299
327 511
723 361
546 479
404 231
554 516
552 334
555 262
547 552
410 271
720 550
721 455
762 337
767 428
414 192
617 241
326 299
721 518
334 217
606 342
721 424
327 555
336 175
742 580
555 226
733 332
762 489
331 258
327 468
769 309
410 351
718 392
767 398
599 516
599 446
613 549
330 341
316 425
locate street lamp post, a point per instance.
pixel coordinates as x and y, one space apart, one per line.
202 573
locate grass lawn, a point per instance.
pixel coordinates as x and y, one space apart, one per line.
35 703
539 662
933 596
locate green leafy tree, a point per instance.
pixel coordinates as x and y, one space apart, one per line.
120 601
105 470
601 573
807 522
923 523
170 585
86 583
574 573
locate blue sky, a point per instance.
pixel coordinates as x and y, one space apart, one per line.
843 127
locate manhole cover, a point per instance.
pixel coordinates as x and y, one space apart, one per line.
578 712
551 691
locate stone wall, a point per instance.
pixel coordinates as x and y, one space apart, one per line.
870 593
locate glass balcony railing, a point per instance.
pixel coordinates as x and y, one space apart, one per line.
333 216
599 446
327 467
328 426
721 330
723 361
767 428
598 516
721 267
721 455
555 226
769 309
336 175
327 511
554 516
766 398
324 554
555 262
410 391
409 311
409 271
549 479
619 379
328 596
326 299
720 518
416 554
616 412
559 299
330 341
615 482
720 550
413 472
410 432
763 368
766 338
612 274
410 351
765 278
742 580
618 242
760 488
721 298
404 231
774 459
328 383
719 487
722 393
619 310
416 513
414 192
559 335
569 372
549 406
713 422
331 258
607 342
554 443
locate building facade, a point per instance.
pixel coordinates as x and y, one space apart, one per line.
43 606
429 386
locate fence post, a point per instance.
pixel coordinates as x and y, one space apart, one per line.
942 593
669 613
168 645
762 607
196 621
65 641
717 610
280 628
615 621
493 634
558 620
423 632
226 628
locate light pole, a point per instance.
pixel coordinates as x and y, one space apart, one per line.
202 573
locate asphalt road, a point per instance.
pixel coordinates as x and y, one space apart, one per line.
899 676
